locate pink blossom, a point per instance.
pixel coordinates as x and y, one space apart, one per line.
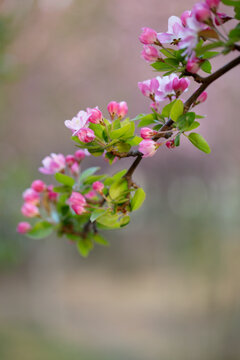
174 33
201 12
202 97
112 108
80 154
180 85
221 18
52 195
23 227
148 36
122 109
147 133
77 202
53 164
213 4
149 53
149 87
165 88
170 144
38 185
75 168
95 115
70 159
193 65
98 186
90 195
29 210
148 147
185 15
31 196
78 122
86 135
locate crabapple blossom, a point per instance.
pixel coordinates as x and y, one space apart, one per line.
23 227
185 15
221 18
95 115
38 185
52 195
75 168
78 122
80 154
98 186
148 36
86 135
112 109
213 4
174 33
180 85
202 97
149 53
193 65
149 87
77 202
29 210
148 148
122 109
170 144
201 12
53 164
70 159
147 133
31 196
90 195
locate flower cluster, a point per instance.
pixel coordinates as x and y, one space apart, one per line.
82 202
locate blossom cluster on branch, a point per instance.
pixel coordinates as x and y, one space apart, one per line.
84 202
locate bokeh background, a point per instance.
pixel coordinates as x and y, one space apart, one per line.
168 287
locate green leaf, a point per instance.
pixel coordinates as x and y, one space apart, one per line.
62 189
194 125
84 246
185 121
64 179
100 240
40 230
115 177
147 120
91 179
234 34
109 221
210 54
118 188
123 147
166 110
118 133
138 199
98 130
96 214
88 172
231 2
134 141
176 110
166 52
206 66
177 139
237 12
124 221
161 66
198 141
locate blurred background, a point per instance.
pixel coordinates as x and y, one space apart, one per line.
168 287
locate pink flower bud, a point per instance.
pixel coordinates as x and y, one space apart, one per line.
185 15
122 109
75 169
201 12
213 4
80 154
31 196
52 195
221 18
86 135
202 97
149 53
29 210
193 65
147 133
23 227
98 186
148 36
112 108
180 85
95 115
148 148
38 185
53 164
70 159
90 195
170 144
77 202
